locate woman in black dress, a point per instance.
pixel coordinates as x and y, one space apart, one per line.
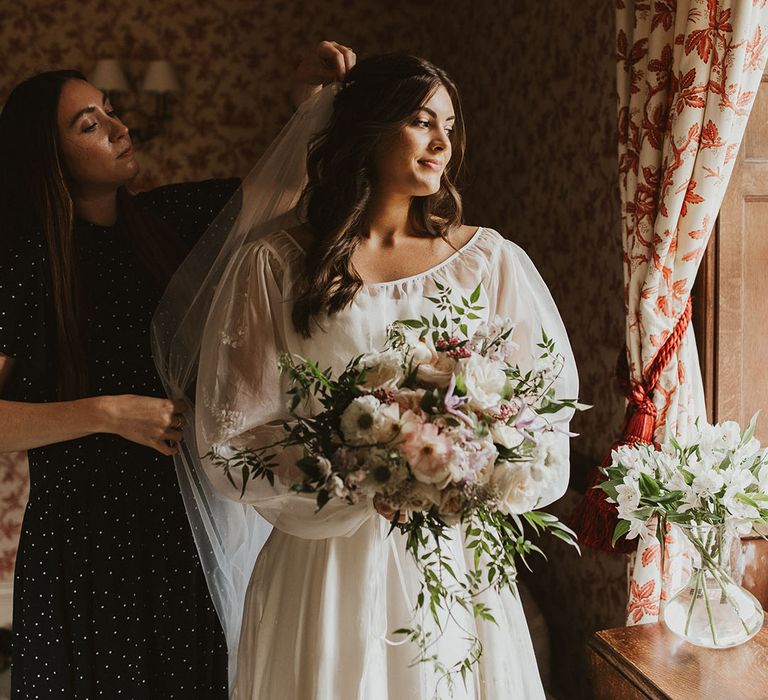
109 597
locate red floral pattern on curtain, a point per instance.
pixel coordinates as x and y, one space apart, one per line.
14 487
688 72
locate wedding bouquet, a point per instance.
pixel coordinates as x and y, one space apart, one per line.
438 428
715 487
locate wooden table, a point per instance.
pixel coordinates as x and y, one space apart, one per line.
648 662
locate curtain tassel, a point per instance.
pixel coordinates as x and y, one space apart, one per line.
594 519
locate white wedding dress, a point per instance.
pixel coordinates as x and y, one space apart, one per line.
330 588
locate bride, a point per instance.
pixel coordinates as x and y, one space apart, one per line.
381 226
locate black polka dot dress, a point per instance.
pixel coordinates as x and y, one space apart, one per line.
110 600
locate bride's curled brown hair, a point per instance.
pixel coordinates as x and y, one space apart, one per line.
380 96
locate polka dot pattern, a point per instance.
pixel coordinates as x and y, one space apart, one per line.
110 600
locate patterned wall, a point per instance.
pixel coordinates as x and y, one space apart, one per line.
541 104
233 58
538 88
537 80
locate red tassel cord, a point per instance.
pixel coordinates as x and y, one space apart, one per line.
594 520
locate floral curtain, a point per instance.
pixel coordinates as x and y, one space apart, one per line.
688 71
14 478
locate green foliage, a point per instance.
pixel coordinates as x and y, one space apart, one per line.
496 542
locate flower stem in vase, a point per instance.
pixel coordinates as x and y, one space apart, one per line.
694 598
709 608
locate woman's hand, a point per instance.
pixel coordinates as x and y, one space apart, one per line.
149 421
329 61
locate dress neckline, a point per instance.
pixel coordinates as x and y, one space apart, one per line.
402 280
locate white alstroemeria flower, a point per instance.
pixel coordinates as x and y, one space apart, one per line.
715 441
637 528
634 459
738 479
384 370
691 500
627 497
665 466
676 482
707 483
762 476
744 456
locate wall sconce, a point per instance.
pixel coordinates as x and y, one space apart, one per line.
160 79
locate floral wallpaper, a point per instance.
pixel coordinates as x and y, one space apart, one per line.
233 59
538 87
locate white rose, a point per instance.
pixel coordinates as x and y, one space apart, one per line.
451 505
519 493
366 421
484 380
384 370
436 373
421 497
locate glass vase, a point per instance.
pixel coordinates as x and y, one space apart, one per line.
712 610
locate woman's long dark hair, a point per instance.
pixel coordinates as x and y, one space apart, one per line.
34 195
381 95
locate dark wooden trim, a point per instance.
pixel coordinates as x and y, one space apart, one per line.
704 319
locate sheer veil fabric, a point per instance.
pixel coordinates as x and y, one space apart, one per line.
229 535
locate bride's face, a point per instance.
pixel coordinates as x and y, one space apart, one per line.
412 161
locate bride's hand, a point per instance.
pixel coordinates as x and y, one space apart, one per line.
329 61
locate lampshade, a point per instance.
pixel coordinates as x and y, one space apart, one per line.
160 78
108 75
